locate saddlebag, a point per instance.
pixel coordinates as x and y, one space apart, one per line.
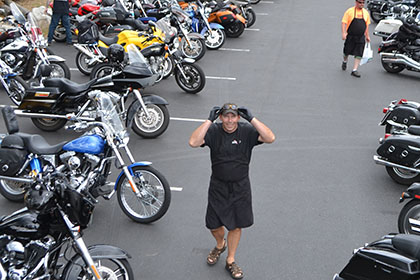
107 15
88 32
381 264
12 155
401 149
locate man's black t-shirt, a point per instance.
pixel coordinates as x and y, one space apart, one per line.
61 6
231 152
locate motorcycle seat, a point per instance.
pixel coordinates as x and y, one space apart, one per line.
67 86
108 40
37 144
414 129
408 244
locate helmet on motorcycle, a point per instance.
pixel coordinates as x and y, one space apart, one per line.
116 53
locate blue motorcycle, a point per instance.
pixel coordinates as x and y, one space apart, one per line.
143 193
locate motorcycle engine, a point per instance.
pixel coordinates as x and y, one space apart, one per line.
11 59
17 259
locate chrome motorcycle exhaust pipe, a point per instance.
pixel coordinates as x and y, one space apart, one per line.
3 273
381 161
399 59
15 179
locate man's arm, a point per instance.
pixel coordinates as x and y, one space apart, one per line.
266 135
343 30
197 137
367 33
47 5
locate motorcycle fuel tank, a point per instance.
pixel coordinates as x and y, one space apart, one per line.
90 144
401 149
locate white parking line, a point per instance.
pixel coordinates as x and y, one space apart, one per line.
267 2
176 189
261 14
186 119
235 50
74 69
252 29
220 78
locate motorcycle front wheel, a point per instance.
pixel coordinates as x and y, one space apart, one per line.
392 67
154 199
108 268
250 16
215 39
17 89
168 67
195 50
235 30
403 177
59 70
49 124
409 218
190 77
82 63
12 191
154 125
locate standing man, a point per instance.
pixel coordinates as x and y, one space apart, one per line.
229 196
60 12
355 31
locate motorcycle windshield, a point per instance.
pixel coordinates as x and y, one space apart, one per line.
181 14
165 26
108 112
135 57
36 32
17 14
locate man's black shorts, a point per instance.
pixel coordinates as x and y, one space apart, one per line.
354 46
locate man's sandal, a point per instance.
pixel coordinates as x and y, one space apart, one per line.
234 270
215 253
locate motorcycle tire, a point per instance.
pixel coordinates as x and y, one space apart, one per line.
60 70
101 70
12 191
81 63
401 176
391 67
49 124
254 1
195 79
60 33
235 30
250 16
376 16
108 268
17 89
197 49
155 125
169 67
217 40
410 211
155 192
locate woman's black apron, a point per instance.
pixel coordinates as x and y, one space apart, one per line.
355 41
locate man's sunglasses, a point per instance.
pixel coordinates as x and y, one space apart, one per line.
361 2
230 106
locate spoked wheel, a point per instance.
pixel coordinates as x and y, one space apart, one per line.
17 89
215 39
155 124
83 63
190 78
59 70
13 191
49 124
60 33
109 268
153 200
401 176
101 70
392 67
168 67
235 30
409 218
195 50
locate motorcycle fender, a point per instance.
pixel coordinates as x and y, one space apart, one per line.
404 115
216 25
147 99
413 191
241 19
55 58
195 35
75 266
130 169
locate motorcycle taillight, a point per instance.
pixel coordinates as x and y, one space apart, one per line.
402 101
387 135
384 110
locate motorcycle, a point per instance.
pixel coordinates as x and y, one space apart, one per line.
234 24
142 192
13 84
409 217
400 114
189 76
394 256
402 49
392 23
244 9
44 239
28 52
380 9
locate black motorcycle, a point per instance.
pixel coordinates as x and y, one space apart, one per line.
409 217
401 50
399 115
394 256
44 239
380 9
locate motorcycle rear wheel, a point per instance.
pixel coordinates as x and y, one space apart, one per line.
12 191
155 125
60 70
217 40
195 78
250 16
49 124
155 192
196 50
391 67
235 30
60 33
82 64
410 211
402 177
17 89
